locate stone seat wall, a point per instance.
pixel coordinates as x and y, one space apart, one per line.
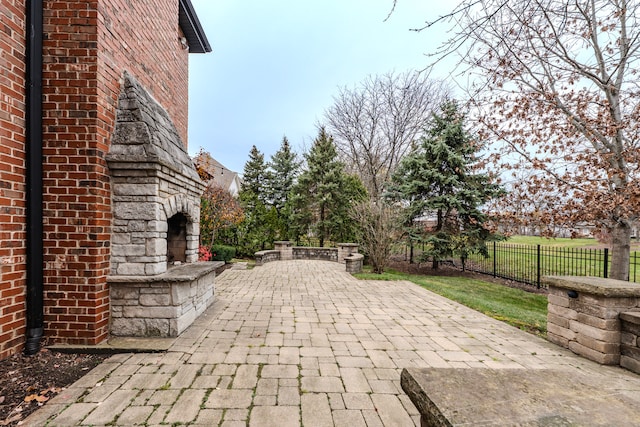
163 305
284 250
584 315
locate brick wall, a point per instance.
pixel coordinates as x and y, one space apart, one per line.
12 178
88 45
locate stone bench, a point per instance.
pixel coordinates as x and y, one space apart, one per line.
284 251
263 257
510 397
163 305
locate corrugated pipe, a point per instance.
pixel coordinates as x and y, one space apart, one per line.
35 268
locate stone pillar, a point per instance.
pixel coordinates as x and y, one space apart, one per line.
630 341
346 249
285 248
583 314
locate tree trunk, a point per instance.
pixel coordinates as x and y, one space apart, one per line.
621 242
321 225
410 251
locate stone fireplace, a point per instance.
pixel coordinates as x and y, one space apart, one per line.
156 222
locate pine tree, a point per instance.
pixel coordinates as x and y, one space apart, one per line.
438 183
323 193
284 168
254 175
254 232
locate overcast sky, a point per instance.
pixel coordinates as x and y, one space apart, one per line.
276 64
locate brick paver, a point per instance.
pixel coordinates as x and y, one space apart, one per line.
303 342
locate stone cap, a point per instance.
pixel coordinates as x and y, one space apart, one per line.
347 245
518 397
594 285
182 273
145 135
631 317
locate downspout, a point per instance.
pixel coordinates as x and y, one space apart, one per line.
34 234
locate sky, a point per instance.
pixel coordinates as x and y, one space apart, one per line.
276 65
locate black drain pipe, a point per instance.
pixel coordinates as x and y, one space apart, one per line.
35 259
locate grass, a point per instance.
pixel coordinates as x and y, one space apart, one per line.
556 242
516 307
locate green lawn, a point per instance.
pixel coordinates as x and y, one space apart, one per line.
558 242
522 309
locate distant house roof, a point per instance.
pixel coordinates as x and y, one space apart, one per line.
190 25
218 174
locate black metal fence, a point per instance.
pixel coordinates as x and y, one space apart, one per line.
528 263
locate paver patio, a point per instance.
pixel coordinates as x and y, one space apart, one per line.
296 343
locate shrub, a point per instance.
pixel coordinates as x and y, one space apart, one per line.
204 254
222 253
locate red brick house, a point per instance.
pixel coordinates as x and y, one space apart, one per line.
63 64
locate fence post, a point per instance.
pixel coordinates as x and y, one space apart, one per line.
606 262
494 259
538 267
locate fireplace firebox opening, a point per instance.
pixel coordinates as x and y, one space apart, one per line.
177 239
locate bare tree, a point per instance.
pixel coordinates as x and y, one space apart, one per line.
378 229
374 124
557 89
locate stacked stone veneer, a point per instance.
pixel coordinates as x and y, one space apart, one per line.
630 341
584 315
162 305
153 178
345 253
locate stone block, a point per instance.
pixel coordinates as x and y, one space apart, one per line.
596 322
156 247
138 189
124 327
630 322
610 336
150 312
560 321
184 321
558 300
151 300
567 313
630 363
136 211
567 334
124 292
180 293
558 340
596 356
601 346
627 338
594 310
130 269
152 269
630 351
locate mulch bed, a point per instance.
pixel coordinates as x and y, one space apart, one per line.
28 382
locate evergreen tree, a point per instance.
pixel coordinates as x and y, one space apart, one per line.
438 182
323 193
284 167
254 232
255 174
